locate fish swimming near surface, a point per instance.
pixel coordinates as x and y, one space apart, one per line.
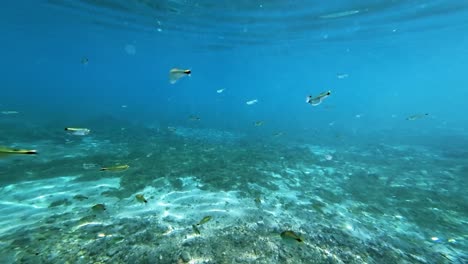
416 117
220 90
175 74
6 151
115 168
251 102
342 75
340 14
84 61
316 100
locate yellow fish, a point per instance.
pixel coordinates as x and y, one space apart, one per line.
416 117
6 151
116 168
98 207
204 220
141 198
288 235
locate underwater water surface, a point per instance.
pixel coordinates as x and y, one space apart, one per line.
175 131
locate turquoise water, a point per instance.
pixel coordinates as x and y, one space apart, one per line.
376 172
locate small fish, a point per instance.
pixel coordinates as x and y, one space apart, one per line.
416 117
84 61
80 197
87 219
340 14
251 102
172 129
10 112
175 74
290 235
278 134
130 49
123 106
141 198
98 207
194 118
77 131
59 203
316 100
258 200
6 151
195 229
220 90
259 123
115 168
204 220
342 75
